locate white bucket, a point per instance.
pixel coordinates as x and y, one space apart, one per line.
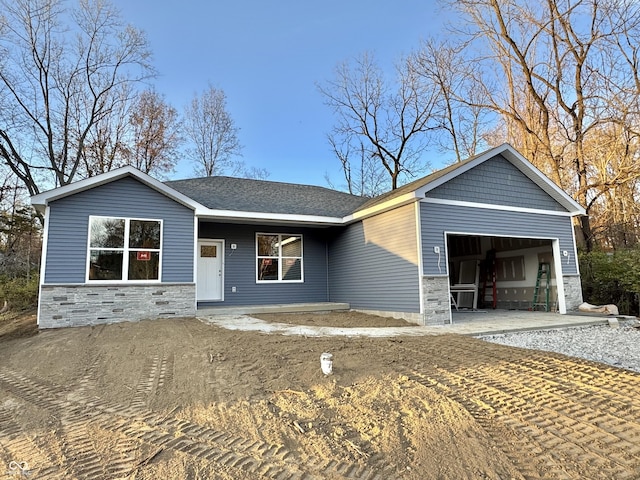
326 363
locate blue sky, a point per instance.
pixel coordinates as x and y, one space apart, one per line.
268 57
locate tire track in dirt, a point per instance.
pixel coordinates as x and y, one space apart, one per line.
86 457
90 374
73 449
40 453
148 428
165 375
615 383
547 404
147 382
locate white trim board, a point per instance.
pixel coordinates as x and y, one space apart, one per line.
491 206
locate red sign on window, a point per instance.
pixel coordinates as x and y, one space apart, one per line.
143 256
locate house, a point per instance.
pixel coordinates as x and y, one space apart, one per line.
124 246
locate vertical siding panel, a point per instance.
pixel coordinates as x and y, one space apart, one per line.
437 219
240 265
127 197
373 264
496 182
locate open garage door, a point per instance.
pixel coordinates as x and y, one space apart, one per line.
508 273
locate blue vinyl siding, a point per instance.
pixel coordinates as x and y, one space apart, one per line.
69 223
436 219
374 263
496 182
240 265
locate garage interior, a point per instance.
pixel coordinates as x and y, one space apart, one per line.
506 273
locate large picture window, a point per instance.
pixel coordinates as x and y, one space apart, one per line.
124 249
279 257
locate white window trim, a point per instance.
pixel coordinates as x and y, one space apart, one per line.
125 250
280 258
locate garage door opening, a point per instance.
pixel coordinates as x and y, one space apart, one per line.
487 272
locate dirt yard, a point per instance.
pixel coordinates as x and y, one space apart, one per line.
179 399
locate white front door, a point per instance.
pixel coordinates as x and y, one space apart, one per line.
210 270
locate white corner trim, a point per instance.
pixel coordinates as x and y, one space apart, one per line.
420 262
490 206
43 259
557 261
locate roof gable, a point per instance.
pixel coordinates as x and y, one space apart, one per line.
41 200
496 182
420 188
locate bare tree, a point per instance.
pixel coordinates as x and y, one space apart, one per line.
362 172
389 121
155 134
460 95
212 133
107 141
562 77
58 70
20 232
242 170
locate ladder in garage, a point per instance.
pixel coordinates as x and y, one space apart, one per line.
543 282
489 285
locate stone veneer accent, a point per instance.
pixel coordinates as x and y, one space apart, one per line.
77 305
572 291
437 304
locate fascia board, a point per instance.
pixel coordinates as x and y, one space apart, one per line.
230 215
383 207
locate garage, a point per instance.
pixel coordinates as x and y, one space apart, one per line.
508 273
490 229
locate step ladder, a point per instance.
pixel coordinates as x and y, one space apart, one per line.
489 287
543 281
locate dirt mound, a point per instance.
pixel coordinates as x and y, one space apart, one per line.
181 399
18 324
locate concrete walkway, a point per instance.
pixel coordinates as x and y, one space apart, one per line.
464 323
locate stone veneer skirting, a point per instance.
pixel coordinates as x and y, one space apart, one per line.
77 305
436 300
572 291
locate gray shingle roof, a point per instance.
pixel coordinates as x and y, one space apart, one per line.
246 195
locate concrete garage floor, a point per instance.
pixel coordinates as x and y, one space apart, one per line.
466 322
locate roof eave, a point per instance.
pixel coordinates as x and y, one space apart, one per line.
262 217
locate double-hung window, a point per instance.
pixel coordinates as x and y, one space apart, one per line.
279 257
124 249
